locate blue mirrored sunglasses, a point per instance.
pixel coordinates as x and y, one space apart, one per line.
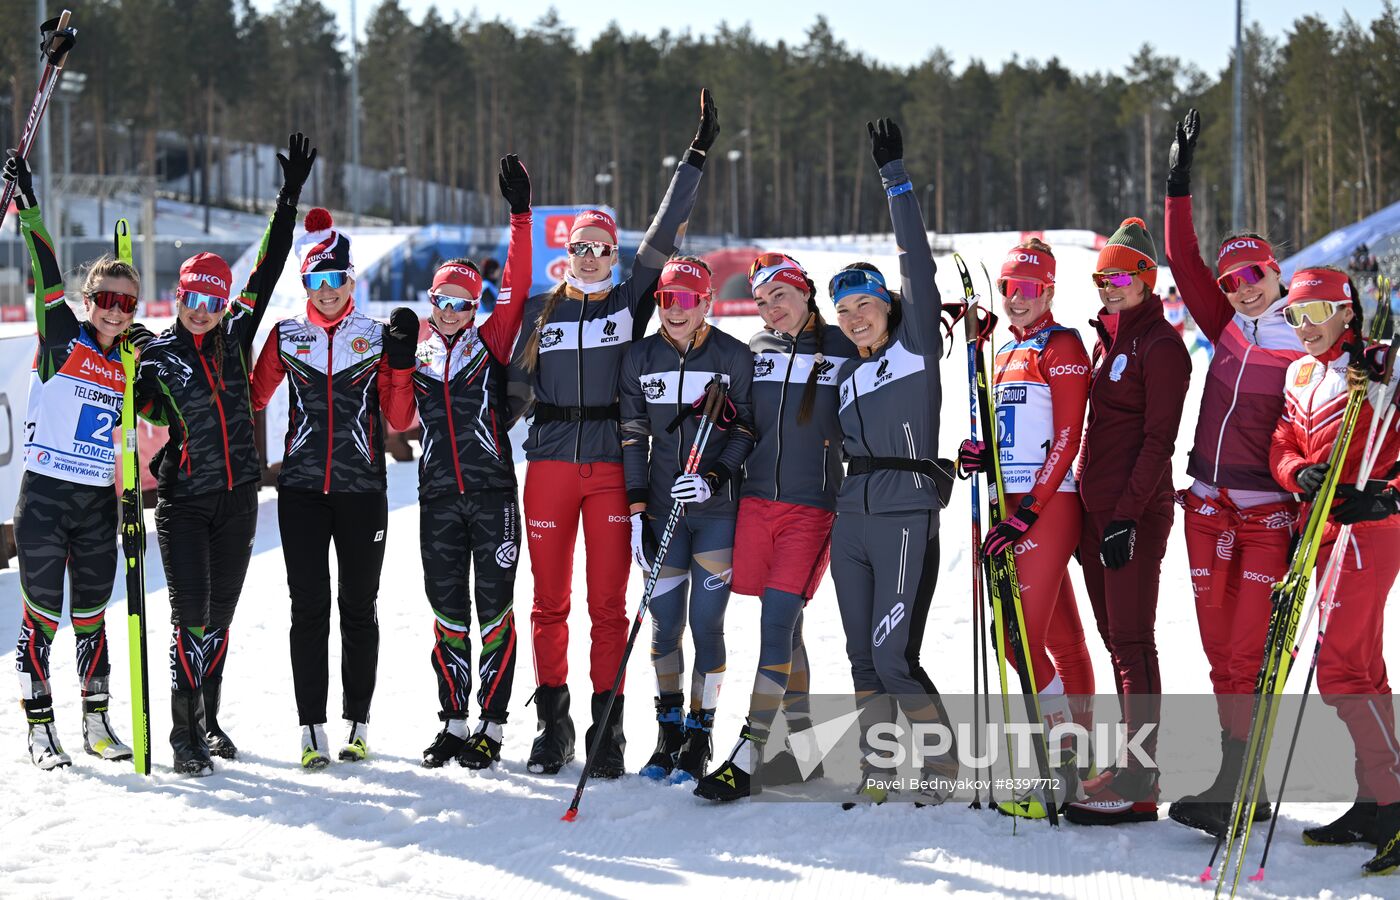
858 281
452 304
315 280
206 302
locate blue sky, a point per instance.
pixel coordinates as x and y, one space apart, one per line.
1087 35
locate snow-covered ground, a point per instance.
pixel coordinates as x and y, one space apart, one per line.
388 828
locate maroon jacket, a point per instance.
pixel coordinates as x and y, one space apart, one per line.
1141 372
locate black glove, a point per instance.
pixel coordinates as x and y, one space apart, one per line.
1179 159
1310 478
886 143
515 184
401 339
1369 359
138 335
1116 548
296 167
1378 501
17 170
709 123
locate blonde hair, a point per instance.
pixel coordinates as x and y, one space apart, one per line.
530 355
108 266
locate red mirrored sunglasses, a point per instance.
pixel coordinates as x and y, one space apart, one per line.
113 300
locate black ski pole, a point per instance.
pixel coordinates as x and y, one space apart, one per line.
715 393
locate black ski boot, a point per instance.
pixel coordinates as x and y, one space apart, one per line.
1356 826
733 780
670 735
187 734
447 744
220 744
483 748
695 753
1387 858
554 743
610 762
784 767
44 747
1210 810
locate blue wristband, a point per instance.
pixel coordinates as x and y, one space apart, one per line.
901 188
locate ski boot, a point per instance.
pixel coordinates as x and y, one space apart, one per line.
313 748
1116 797
1387 858
356 747
98 737
733 779
554 743
187 734
1357 825
796 757
483 749
670 736
696 750
1036 804
451 741
873 790
44 748
220 744
610 762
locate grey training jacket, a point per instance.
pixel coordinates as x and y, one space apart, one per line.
890 400
658 384
583 343
794 462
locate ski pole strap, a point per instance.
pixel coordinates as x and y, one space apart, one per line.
548 412
939 470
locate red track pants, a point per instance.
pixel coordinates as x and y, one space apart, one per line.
1047 596
1236 556
555 494
1351 672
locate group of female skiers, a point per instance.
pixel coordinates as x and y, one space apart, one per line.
822 451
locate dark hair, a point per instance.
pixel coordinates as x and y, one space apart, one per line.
530 355
809 393
462 261
489 265
219 350
1357 313
896 298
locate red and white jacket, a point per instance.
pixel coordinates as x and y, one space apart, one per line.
1041 382
1315 398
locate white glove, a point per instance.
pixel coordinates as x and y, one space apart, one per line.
691 489
639 542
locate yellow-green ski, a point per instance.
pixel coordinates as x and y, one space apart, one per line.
133 533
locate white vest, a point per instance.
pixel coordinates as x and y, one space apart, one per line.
70 428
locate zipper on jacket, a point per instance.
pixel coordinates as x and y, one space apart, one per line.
451 429
680 404
860 420
826 461
578 363
223 423
782 403
1234 400
330 405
